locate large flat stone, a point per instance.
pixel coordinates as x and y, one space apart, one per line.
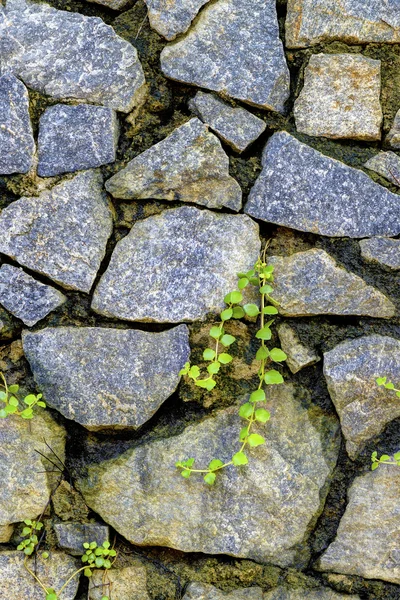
284 482
350 370
16 135
123 375
367 541
189 165
74 138
128 583
301 188
384 251
67 55
71 536
62 233
386 164
233 47
311 22
172 18
205 591
151 273
285 593
340 97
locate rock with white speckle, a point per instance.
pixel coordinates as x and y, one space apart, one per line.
384 251
386 164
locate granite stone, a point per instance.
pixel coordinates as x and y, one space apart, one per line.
303 189
128 583
384 251
298 355
6 532
172 18
323 593
393 137
386 164
205 591
72 536
113 4
233 47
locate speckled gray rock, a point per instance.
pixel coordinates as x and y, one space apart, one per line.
235 126
17 583
67 55
284 593
382 250
114 4
350 370
340 97
386 164
393 137
16 135
6 532
150 505
311 22
311 283
26 298
62 233
73 138
205 591
212 54
170 19
298 355
151 273
301 188
367 541
128 583
189 165
72 536
124 375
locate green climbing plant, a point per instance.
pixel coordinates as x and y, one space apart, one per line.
11 403
385 459
261 276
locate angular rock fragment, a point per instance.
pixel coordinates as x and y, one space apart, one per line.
284 593
233 47
67 55
128 583
16 134
150 505
367 541
123 375
26 298
173 18
189 165
298 355
350 370
382 250
74 138
386 164
177 266
393 137
205 591
340 97
72 536
62 233
235 126
310 22
113 4
301 188
311 283
6 532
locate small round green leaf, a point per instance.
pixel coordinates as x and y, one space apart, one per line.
251 310
262 415
238 312
273 377
236 297
216 332
225 358
266 289
186 473
277 355
227 340
226 314
210 478
255 440
239 459
214 367
215 464
374 466
207 384
262 353
209 354
244 432
264 334
270 310
13 401
257 396
246 410
243 281
87 573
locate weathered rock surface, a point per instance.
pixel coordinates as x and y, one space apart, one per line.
311 283
62 233
233 47
340 97
367 541
123 375
6 532
235 126
73 138
298 355
382 250
16 135
173 18
128 583
67 55
114 4
311 22
301 188
177 266
150 505
72 536
393 137
386 164
350 369
189 165
26 298
283 593
205 591
17 583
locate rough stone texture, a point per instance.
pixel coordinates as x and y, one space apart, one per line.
128 583
204 591
72 536
26 298
311 283
350 369
382 250
386 164
149 505
6 532
189 165
340 97
393 137
233 47
170 19
367 541
301 188
17 583
114 4
284 593
235 126
62 233
73 138
298 355
67 55
123 375
177 266
310 22
16 135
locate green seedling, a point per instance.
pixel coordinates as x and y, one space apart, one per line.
385 459
12 404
